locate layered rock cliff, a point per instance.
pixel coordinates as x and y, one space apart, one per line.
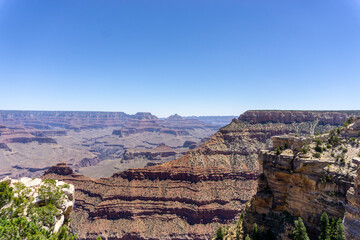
352 217
309 177
190 197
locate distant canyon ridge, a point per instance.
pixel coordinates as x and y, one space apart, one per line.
96 144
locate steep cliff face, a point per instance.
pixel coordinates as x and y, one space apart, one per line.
187 198
352 217
303 182
288 117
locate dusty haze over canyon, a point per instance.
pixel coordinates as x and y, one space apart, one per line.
95 144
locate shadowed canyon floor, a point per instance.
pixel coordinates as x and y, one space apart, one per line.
190 197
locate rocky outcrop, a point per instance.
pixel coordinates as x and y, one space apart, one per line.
352 217
175 132
30 195
274 116
161 151
302 182
190 197
117 132
60 169
190 144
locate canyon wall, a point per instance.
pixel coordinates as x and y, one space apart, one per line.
352 217
190 197
306 181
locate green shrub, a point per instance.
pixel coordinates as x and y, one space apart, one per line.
6 193
317 155
45 215
334 140
319 149
338 130
49 193
348 122
219 234
37 222
304 149
318 142
278 151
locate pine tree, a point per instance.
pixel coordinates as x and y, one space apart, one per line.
255 235
247 237
324 227
300 230
219 234
339 231
332 229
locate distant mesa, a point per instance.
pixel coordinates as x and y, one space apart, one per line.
117 132
60 169
162 147
190 144
145 115
157 153
175 117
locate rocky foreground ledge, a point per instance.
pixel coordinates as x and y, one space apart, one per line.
47 203
306 177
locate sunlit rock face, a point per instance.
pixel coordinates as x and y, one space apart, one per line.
352 217
299 181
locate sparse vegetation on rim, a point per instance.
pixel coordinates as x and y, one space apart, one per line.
23 218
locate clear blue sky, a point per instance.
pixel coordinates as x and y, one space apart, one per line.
198 57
